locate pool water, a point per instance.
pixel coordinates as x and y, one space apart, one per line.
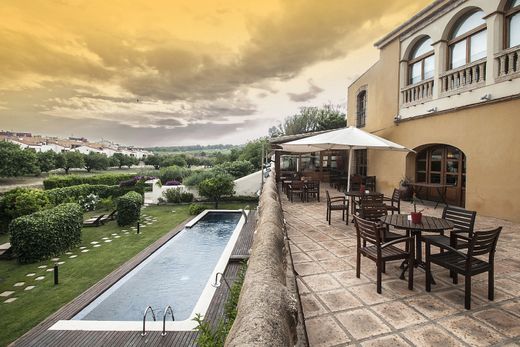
174 275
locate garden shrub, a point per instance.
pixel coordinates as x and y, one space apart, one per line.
195 209
196 177
172 195
129 208
23 201
237 169
75 193
89 202
217 187
186 197
172 173
107 203
109 179
46 233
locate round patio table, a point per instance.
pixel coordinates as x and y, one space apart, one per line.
428 224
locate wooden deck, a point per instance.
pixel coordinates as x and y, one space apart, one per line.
41 336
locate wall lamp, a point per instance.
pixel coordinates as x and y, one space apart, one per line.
434 109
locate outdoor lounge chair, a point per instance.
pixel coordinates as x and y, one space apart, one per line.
94 221
109 217
336 203
371 245
480 244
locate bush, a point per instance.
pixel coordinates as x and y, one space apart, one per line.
195 209
23 201
75 193
186 197
107 203
198 176
172 195
172 173
47 233
89 202
57 181
129 208
237 169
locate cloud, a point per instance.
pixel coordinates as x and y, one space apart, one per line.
310 94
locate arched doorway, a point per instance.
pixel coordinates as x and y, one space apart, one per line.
442 164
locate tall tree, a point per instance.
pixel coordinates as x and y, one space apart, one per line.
15 161
72 160
46 161
311 119
95 161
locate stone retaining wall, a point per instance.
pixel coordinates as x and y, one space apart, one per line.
267 310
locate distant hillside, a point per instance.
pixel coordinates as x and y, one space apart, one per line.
192 148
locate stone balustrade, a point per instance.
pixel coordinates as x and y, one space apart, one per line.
464 78
417 93
508 62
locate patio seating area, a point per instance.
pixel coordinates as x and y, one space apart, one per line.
341 309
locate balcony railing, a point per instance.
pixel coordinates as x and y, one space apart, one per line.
464 78
416 93
508 64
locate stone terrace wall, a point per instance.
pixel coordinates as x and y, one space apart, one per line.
267 311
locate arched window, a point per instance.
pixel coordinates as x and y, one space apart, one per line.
468 40
513 24
361 109
421 64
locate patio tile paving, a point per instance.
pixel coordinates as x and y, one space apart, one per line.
340 309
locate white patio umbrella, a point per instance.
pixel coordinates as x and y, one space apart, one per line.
350 139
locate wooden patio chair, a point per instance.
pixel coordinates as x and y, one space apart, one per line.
373 212
355 182
312 188
337 203
296 188
367 199
94 221
480 244
370 183
380 252
394 202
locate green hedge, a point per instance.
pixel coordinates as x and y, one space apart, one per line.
129 208
74 180
74 193
47 233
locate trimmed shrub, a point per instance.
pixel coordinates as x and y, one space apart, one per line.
75 193
23 201
186 197
172 173
195 209
58 181
172 195
129 208
47 233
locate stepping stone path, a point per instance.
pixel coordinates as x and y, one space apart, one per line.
55 259
39 278
108 240
18 284
117 236
6 293
84 251
29 287
73 256
126 233
61 263
49 270
114 234
83 247
42 266
94 243
10 300
31 274
97 245
104 238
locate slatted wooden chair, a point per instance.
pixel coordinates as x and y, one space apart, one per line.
480 244
355 182
373 212
312 189
337 203
370 244
368 199
296 188
393 203
464 223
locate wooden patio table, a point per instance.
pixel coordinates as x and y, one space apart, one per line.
428 224
441 190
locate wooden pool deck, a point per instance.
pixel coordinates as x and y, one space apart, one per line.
41 336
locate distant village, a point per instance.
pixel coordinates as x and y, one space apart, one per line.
41 143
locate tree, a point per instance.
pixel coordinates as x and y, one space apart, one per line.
72 160
46 161
217 187
95 161
15 161
252 152
311 119
113 161
125 160
171 160
153 160
237 169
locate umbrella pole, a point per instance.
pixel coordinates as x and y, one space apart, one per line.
350 155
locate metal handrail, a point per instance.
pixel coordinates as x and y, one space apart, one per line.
219 283
166 310
244 213
149 308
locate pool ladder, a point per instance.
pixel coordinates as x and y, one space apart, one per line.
167 310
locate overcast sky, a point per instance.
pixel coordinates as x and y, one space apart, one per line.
181 72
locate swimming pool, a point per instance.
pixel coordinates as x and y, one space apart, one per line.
178 274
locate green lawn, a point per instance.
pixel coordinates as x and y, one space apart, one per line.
80 273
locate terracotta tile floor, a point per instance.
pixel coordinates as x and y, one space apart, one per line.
342 310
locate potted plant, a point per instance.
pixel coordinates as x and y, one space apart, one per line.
405 189
416 216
